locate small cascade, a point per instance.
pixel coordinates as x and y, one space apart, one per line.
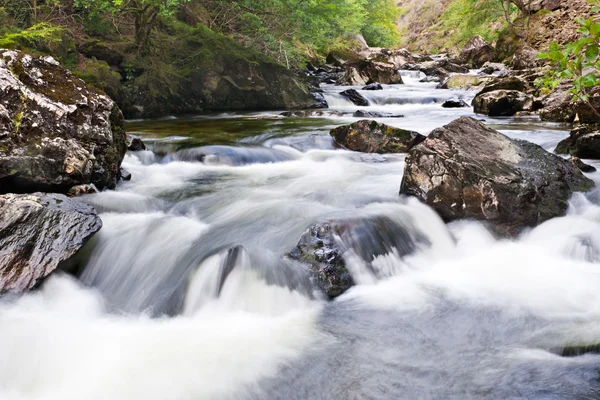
230 155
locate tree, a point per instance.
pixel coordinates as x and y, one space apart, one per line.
578 61
145 13
520 24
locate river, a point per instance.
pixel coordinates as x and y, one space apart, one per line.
153 314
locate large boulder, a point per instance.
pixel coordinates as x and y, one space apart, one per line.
526 58
582 142
439 68
355 97
55 131
373 137
467 170
507 83
40 233
476 52
557 106
464 81
364 72
502 103
327 246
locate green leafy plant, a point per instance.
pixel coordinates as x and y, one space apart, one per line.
578 61
38 34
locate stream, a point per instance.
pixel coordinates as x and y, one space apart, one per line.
187 294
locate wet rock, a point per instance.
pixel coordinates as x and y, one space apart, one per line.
463 81
581 165
373 86
502 103
579 350
367 114
365 72
302 113
124 174
439 68
135 143
507 83
476 52
80 190
40 233
582 142
355 97
455 104
431 79
490 67
320 101
55 131
467 170
373 137
326 246
526 58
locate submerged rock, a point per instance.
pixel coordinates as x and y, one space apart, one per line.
55 131
40 233
502 103
80 190
581 165
476 52
365 72
373 86
582 142
455 104
467 170
355 97
373 137
326 246
135 143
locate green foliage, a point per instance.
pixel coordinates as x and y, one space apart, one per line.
36 36
464 19
578 61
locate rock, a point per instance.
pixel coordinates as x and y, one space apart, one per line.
502 103
98 50
439 68
40 233
582 142
320 101
325 246
365 72
579 350
538 5
581 165
135 143
491 67
124 174
557 106
463 81
373 86
373 137
367 114
476 52
355 97
302 113
507 83
587 114
55 131
431 79
526 58
455 104
80 190
467 170
375 114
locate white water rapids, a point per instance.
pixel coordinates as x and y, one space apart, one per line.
186 293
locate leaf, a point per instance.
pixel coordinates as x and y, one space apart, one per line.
591 53
589 80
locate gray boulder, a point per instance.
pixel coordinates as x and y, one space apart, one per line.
582 142
502 103
373 137
364 72
467 170
476 52
55 131
40 233
326 245
355 97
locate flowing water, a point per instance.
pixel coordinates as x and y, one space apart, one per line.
187 293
